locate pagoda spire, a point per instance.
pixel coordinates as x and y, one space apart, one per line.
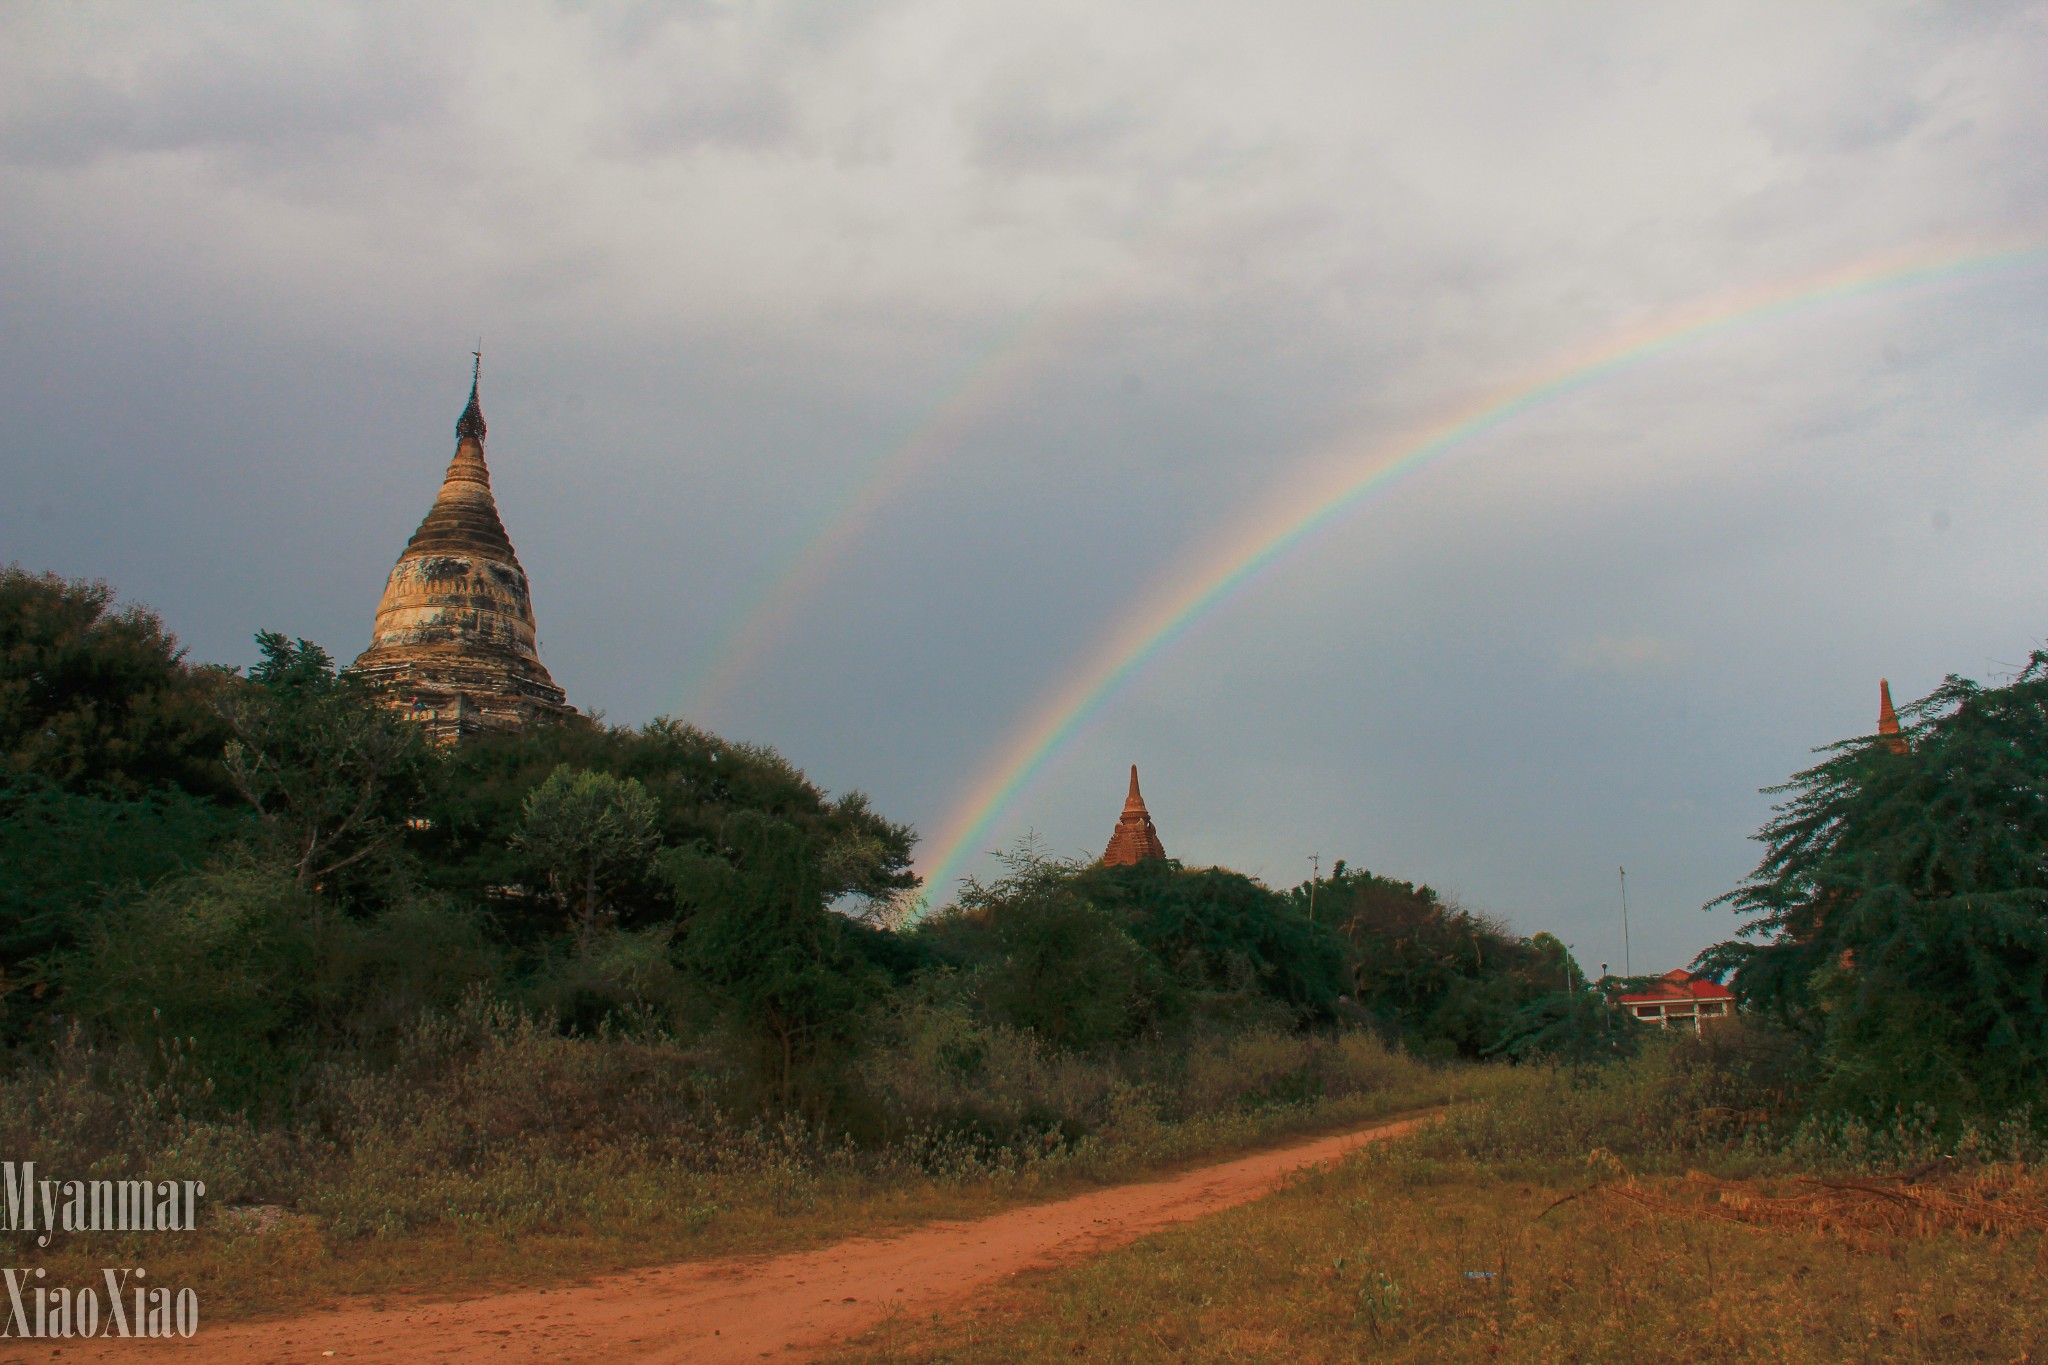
470 426
1135 838
1888 731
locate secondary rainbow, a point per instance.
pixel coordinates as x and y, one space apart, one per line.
765 612
1167 614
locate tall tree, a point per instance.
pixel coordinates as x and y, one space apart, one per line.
762 943
1899 916
332 773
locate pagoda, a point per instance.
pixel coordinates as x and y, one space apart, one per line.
1135 839
453 646
1888 733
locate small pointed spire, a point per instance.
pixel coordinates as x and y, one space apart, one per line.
1888 719
1135 838
470 426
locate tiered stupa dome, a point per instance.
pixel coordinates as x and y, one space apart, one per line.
454 640
1134 839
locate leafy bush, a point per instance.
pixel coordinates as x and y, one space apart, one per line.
464 838
257 976
63 852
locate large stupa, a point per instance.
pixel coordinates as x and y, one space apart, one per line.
454 641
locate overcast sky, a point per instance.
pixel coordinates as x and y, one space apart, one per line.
1112 274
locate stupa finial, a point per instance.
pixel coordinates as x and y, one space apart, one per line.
470 426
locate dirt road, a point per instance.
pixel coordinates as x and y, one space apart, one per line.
706 1313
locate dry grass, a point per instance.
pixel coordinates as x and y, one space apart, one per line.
1504 1234
1997 1202
521 1158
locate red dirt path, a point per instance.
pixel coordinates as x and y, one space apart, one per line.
710 1312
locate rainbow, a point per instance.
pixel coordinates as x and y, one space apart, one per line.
1168 613
766 611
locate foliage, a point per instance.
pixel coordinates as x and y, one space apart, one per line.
1223 936
260 978
99 699
1089 955
587 833
1448 980
764 946
63 851
617 981
1899 917
698 780
1578 1027
332 774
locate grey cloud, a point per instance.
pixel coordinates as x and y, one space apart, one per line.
1035 116
73 104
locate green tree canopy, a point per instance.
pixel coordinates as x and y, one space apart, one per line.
761 942
333 775
1445 978
1087 954
62 852
261 976
1221 933
1900 913
588 833
697 779
99 698
1040 954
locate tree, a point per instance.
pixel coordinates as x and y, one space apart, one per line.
587 832
763 945
1899 916
1221 934
698 780
1044 956
1576 1026
95 698
332 773
1451 981
62 851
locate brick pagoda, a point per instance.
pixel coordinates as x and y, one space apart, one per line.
1135 839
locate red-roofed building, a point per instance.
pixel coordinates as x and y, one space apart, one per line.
1678 997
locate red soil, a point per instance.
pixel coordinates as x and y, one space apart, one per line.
789 1306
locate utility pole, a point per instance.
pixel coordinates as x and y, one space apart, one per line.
1315 862
1628 960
